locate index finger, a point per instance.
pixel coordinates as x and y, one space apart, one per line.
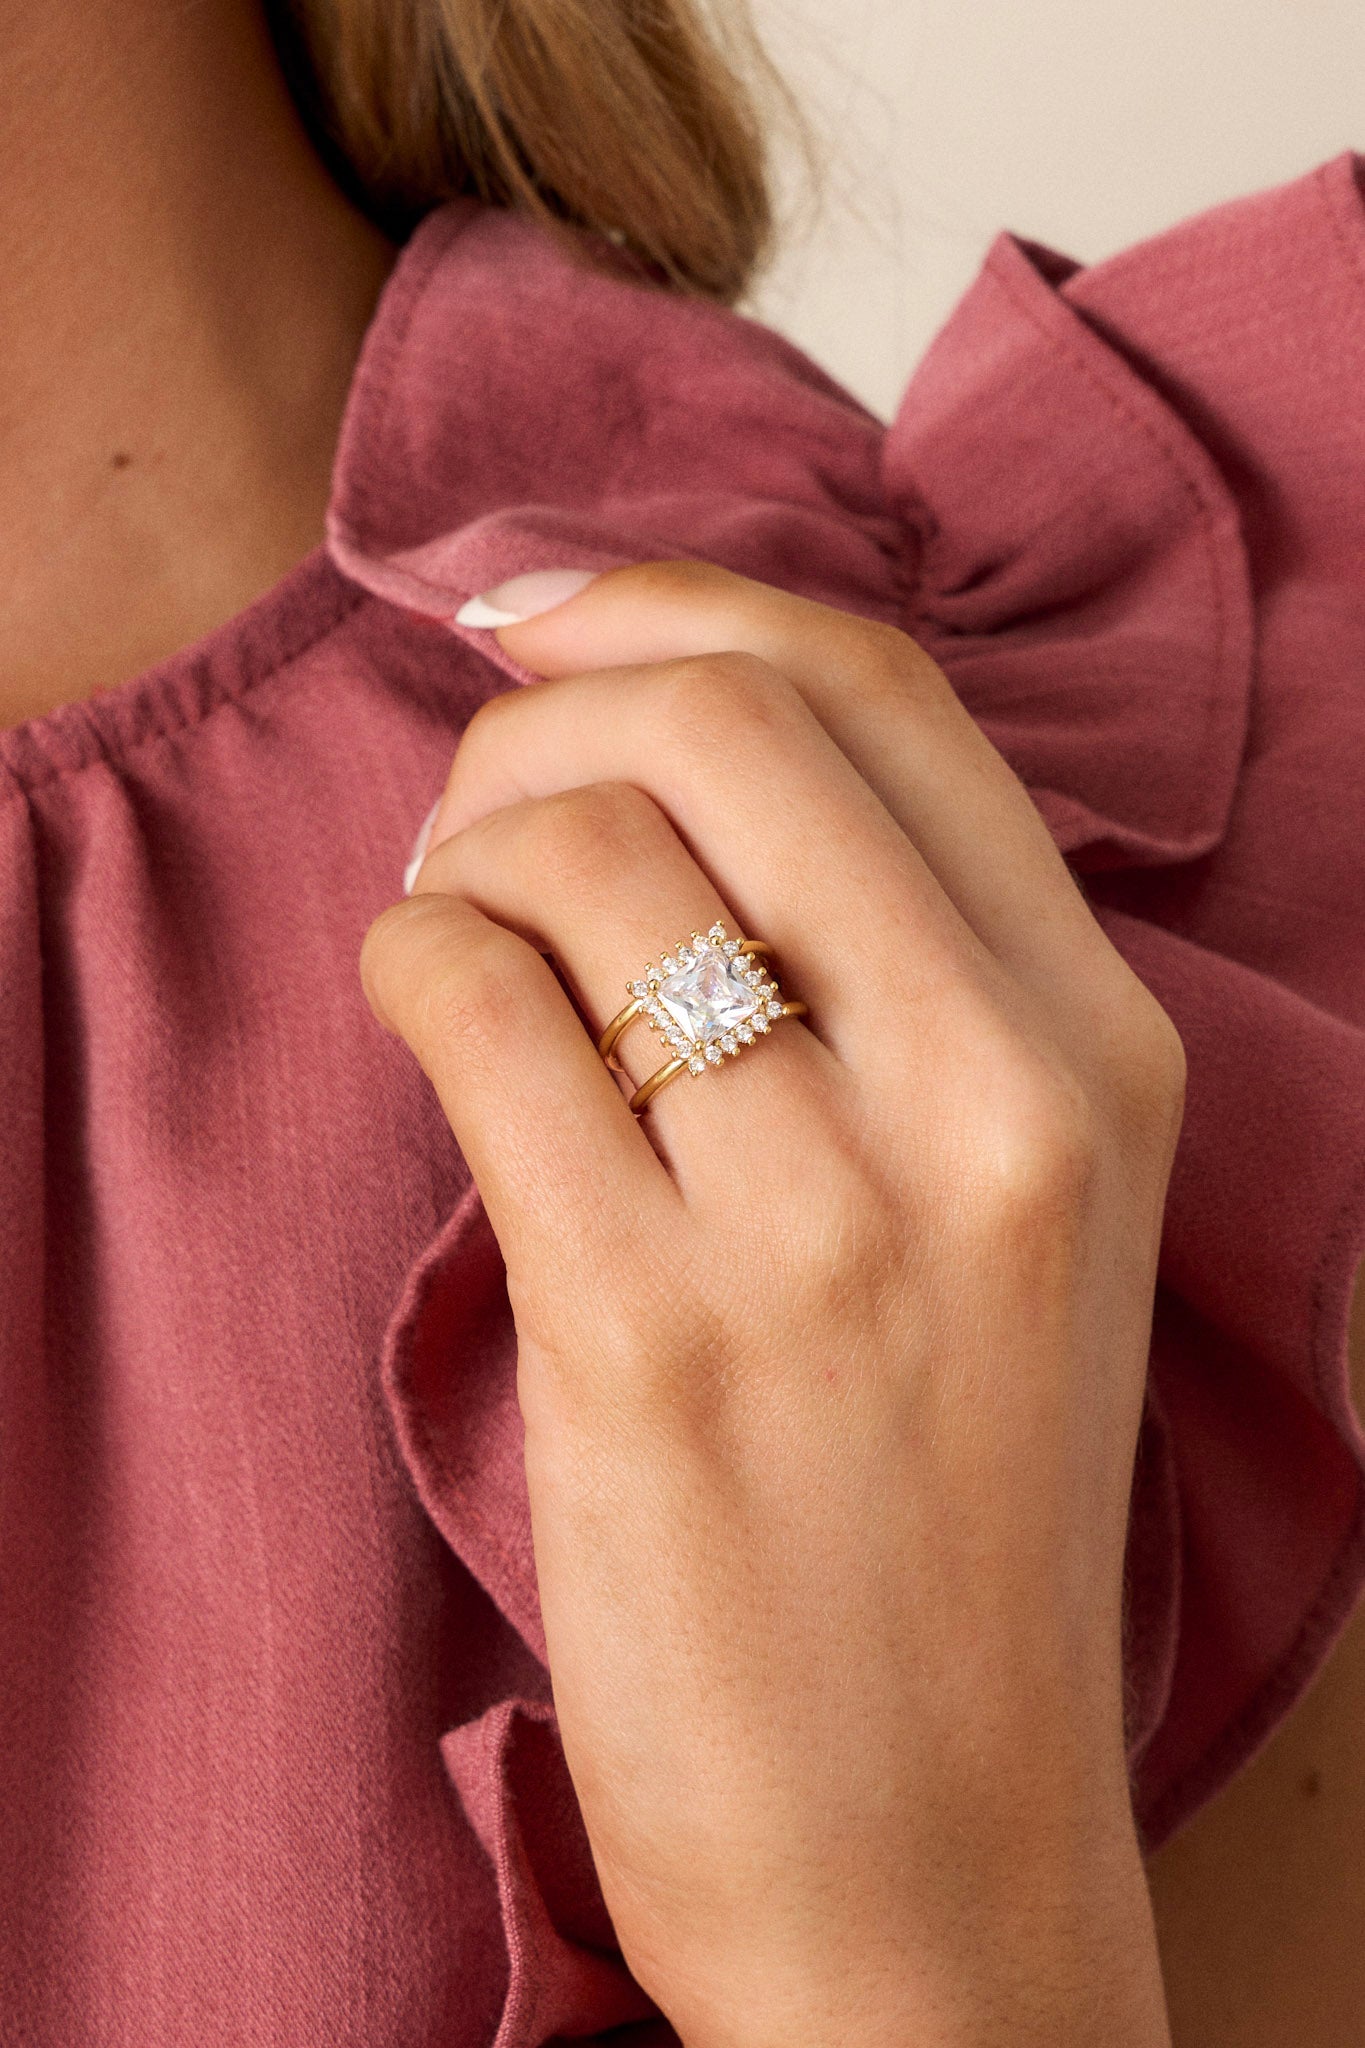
886 704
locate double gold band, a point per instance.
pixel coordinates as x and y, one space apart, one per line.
707 1000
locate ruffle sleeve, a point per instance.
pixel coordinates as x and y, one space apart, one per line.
1048 515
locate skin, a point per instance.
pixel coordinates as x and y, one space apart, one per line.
186 293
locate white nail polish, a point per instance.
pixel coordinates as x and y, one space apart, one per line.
524 597
419 848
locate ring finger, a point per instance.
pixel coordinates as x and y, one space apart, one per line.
598 877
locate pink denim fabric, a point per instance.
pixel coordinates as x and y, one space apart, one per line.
279 1764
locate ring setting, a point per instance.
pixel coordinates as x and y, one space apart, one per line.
707 1000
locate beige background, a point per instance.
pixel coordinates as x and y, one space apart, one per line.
1083 126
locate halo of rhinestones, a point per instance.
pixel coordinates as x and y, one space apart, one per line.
707 1000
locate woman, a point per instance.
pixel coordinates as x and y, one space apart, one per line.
831 1367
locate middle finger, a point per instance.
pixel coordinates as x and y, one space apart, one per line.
769 808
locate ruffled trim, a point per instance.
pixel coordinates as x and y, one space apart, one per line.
1044 517
461 1432
1083 578
566 1979
1265 1228
512 410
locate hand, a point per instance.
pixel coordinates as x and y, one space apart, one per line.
832 1364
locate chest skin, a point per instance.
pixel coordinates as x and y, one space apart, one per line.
1260 1901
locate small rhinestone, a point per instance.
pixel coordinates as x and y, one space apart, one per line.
729 1043
731 947
668 964
638 988
745 1034
696 1065
717 932
774 1009
684 956
761 1023
713 1054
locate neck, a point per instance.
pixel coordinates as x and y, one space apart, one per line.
186 294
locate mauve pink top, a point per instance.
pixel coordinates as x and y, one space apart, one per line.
278 1761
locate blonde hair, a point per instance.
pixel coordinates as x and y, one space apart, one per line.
645 121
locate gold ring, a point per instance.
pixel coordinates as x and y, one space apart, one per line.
706 1000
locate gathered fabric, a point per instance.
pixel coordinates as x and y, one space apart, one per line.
280 1763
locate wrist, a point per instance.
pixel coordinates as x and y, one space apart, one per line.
1056 1953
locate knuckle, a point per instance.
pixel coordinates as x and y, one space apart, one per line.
436 971
1132 1043
480 738
485 749
674 579
1037 1147
1167 1067
589 836
892 664
853 1253
890 676
714 700
385 953
405 954
469 986
484 721
1144 1060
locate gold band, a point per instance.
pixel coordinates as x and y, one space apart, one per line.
647 1090
709 1001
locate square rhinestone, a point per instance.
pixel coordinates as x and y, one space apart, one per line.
708 997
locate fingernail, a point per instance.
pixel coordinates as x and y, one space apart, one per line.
523 597
419 848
